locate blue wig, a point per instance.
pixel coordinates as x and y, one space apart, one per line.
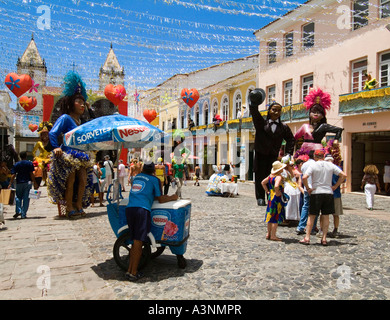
74 85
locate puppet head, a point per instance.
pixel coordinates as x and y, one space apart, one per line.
274 111
318 101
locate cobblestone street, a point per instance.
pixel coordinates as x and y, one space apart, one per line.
227 255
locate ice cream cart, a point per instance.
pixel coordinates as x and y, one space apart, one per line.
170 227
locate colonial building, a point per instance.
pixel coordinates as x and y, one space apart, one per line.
6 120
34 65
333 45
232 140
47 97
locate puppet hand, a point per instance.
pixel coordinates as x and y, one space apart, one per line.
57 152
256 97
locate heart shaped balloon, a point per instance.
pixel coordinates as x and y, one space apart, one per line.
150 115
18 84
115 94
27 103
33 127
190 96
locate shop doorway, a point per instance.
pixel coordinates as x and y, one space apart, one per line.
368 148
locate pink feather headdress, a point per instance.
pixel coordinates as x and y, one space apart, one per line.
317 96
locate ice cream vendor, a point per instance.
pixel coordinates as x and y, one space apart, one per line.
145 189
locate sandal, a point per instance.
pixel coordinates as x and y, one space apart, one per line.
71 214
324 243
82 212
133 278
305 242
267 237
275 239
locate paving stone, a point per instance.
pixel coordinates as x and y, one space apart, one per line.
227 255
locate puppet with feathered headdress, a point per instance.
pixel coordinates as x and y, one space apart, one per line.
70 176
318 102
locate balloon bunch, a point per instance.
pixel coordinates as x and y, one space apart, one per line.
20 84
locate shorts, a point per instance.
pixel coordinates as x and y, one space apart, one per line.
338 207
95 188
102 184
139 222
323 203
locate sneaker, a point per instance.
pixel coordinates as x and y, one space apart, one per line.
133 278
16 215
319 234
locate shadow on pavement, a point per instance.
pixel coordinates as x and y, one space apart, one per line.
332 241
88 215
160 268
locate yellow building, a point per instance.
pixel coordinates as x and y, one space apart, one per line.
229 142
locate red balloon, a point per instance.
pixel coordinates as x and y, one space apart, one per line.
115 93
190 96
27 103
33 127
150 115
18 84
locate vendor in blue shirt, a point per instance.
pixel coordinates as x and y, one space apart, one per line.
145 189
70 167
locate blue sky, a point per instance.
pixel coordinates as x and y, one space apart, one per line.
153 39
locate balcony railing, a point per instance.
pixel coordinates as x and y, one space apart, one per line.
375 100
292 113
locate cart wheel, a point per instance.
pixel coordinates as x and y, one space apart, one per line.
121 252
181 261
156 253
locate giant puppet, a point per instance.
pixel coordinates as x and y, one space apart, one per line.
70 175
317 102
270 133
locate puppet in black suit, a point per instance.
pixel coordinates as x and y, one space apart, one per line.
270 133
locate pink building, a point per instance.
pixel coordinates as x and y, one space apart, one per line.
332 44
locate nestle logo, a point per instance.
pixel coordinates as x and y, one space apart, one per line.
160 220
137 187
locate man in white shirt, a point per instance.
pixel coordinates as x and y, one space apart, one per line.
109 166
243 113
96 173
306 198
321 193
121 174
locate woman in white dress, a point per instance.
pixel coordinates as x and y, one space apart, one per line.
291 188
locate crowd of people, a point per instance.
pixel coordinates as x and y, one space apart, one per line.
307 184
301 186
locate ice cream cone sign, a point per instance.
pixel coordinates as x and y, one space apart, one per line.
115 94
27 103
190 96
150 115
18 84
170 229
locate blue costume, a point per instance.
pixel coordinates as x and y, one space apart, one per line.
71 160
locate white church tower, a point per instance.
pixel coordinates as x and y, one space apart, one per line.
111 71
